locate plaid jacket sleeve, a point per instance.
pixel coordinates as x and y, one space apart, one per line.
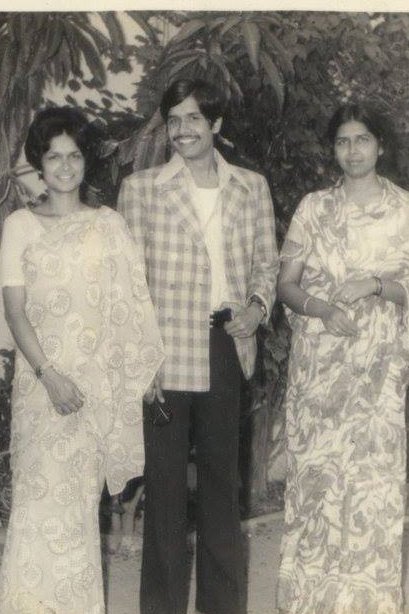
131 205
265 255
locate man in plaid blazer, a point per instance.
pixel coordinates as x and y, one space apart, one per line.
207 231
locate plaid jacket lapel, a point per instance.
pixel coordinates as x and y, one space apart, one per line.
233 197
177 200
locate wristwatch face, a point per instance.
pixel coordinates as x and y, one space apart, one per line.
256 299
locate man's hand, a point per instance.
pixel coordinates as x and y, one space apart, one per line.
245 320
155 391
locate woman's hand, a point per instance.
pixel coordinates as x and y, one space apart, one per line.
64 394
338 323
351 291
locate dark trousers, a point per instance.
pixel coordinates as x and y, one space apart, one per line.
214 416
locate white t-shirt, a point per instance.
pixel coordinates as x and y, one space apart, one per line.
208 209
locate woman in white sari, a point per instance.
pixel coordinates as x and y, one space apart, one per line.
88 347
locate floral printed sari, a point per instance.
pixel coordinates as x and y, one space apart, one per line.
88 302
341 552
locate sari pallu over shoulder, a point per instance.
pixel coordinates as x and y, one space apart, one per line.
88 301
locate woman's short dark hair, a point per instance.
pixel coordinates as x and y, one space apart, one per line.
54 121
211 101
374 121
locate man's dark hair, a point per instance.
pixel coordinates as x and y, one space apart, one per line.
210 100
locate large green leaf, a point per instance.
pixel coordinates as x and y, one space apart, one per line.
275 78
230 23
143 23
187 30
35 88
136 148
99 39
174 55
14 26
18 119
89 53
284 55
158 146
39 57
235 87
7 69
218 60
215 48
271 19
69 48
215 22
115 31
126 149
252 38
65 61
179 66
4 164
53 38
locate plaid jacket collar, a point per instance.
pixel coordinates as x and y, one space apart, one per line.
174 179
177 165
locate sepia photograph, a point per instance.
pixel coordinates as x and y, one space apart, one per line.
204 326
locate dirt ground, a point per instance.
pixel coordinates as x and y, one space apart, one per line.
262 537
122 570
262 534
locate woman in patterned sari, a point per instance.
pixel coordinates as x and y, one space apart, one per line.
345 278
88 346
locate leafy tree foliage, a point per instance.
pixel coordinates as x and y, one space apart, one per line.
7 368
35 49
284 74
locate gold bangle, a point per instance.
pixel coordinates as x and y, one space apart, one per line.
305 304
379 286
39 370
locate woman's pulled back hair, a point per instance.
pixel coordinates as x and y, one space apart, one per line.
376 123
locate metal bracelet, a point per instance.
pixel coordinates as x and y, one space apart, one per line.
256 299
379 286
305 304
39 370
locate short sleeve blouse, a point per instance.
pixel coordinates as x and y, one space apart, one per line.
20 228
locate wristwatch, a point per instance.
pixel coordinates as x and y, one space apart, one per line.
39 370
256 299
